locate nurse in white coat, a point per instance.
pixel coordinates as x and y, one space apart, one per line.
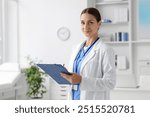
92 62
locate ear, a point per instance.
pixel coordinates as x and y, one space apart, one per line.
99 23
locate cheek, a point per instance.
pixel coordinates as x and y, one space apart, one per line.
95 28
82 28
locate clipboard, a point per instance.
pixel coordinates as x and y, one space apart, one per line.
54 71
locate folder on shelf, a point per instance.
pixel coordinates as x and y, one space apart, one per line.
54 71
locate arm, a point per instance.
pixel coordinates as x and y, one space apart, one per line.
107 71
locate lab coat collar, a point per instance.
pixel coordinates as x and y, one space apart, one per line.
91 54
88 57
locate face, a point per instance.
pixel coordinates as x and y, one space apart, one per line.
89 25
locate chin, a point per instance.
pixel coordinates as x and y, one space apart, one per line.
87 35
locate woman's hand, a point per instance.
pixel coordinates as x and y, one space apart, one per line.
73 79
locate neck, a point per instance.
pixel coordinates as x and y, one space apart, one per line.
90 40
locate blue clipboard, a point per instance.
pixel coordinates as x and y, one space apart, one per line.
54 71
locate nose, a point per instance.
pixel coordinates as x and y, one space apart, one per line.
86 26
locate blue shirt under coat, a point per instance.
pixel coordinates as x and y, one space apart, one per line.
77 67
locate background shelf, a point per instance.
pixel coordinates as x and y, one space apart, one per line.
111 2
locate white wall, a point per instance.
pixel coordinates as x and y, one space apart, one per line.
11 48
8 31
39 21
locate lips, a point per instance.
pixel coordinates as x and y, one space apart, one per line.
87 31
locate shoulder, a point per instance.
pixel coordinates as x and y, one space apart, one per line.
101 46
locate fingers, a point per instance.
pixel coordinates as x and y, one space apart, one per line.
64 75
73 79
67 77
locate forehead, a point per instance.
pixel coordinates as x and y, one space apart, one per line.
87 16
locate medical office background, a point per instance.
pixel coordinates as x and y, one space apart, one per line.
31 27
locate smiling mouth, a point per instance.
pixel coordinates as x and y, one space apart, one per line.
87 31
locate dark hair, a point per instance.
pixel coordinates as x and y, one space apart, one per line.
92 11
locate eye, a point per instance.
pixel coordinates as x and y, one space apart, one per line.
91 22
82 23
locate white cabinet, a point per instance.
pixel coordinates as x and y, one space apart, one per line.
12 85
144 67
130 94
119 29
7 94
58 92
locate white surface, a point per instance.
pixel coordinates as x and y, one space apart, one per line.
126 80
144 67
132 50
113 0
8 79
121 49
121 63
130 95
145 82
9 31
9 73
48 16
6 67
131 89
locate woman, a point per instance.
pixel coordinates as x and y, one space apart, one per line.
92 62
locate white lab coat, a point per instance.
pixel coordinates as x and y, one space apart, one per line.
97 71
